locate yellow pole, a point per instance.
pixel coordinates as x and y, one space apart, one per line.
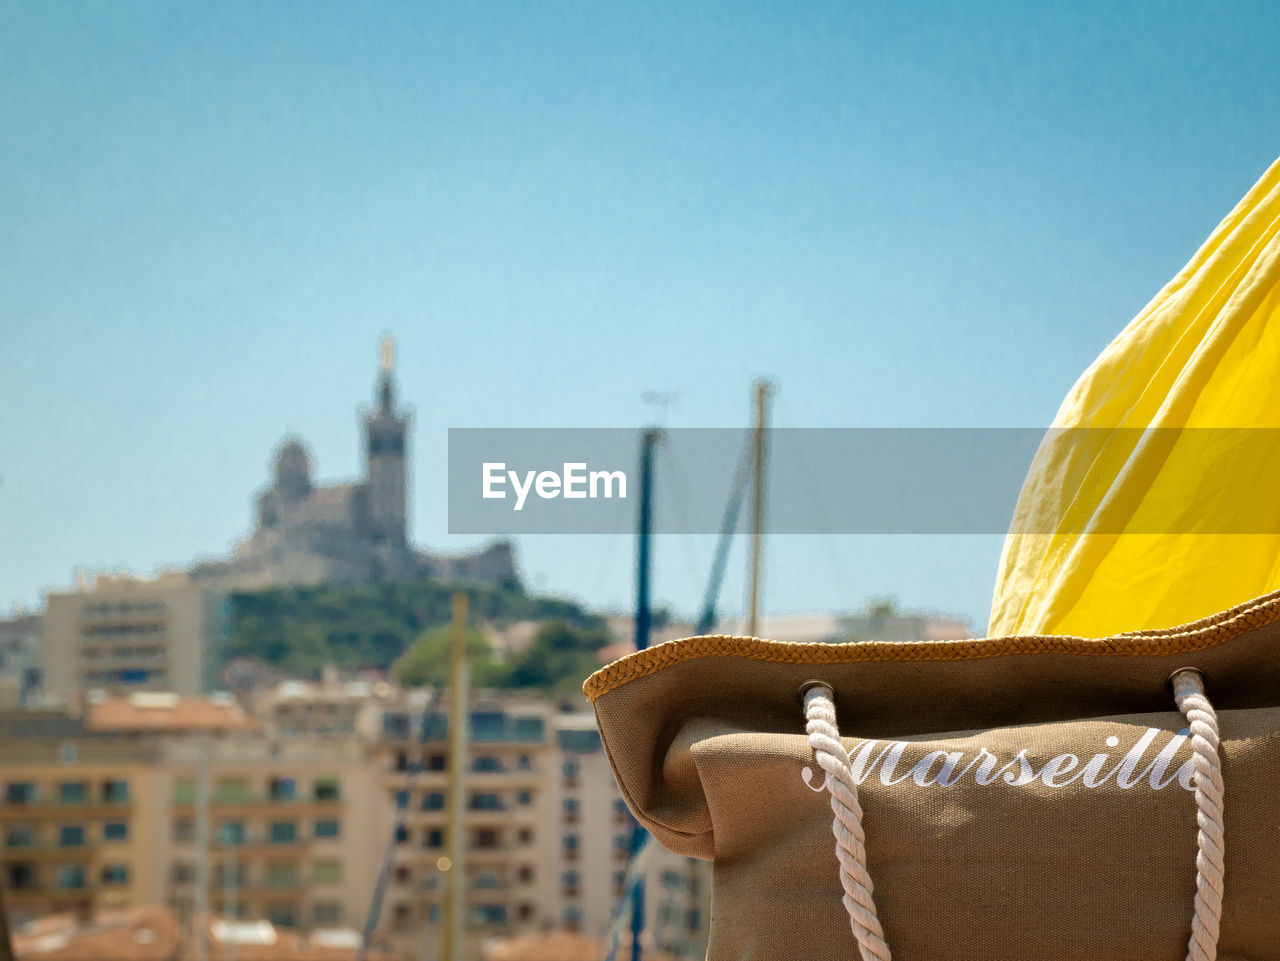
454 865
763 389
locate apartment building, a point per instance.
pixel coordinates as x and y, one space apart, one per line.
595 853
76 812
288 833
121 634
101 812
508 844
20 659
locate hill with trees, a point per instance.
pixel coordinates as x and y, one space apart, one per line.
402 626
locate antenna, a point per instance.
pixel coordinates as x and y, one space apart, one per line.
664 400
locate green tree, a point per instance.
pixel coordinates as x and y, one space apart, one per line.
559 659
429 662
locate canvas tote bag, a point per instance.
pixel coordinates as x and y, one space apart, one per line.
1008 798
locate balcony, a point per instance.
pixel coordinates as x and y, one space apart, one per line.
44 851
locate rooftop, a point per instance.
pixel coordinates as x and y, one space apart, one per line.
159 711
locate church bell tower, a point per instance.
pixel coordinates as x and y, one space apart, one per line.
386 435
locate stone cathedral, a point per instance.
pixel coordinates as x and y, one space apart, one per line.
309 533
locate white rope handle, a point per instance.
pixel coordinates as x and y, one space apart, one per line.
851 850
1188 691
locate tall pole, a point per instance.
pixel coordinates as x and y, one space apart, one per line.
229 882
455 871
200 902
644 617
644 620
763 388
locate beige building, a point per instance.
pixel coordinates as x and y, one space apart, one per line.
103 812
100 813
121 633
76 813
509 847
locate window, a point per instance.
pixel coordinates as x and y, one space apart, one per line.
486 839
622 842
22 877
281 914
71 835
115 792
183 873
184 830
282 874
20 836
571 879
70 877
115 831
524 798
241 875
486 802
327 872
327 789
231 791
283 789
72 792
486 764
327 829
115 874
524 764
434 838
572 915
572 805
525 836
20 792
184 791
402 799
435 762
571 769
525 874
433 801
571 842
328 912
232 832
487 881
283 832
489 914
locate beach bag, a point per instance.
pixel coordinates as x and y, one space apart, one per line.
1028 798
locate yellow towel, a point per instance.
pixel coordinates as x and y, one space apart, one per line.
1152 529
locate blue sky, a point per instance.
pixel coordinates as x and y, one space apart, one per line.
923 215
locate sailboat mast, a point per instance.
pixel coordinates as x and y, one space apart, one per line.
763 389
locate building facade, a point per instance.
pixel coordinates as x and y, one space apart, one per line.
20 659
126 633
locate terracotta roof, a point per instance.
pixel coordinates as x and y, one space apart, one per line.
152 933
263 941
148 933
160 712
560 946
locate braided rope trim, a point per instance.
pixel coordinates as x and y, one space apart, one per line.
851 839
1188 691
1196 636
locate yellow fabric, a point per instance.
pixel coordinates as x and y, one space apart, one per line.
1205 353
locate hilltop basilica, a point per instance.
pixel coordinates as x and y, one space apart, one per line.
308 533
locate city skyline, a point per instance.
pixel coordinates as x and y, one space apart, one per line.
926 218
